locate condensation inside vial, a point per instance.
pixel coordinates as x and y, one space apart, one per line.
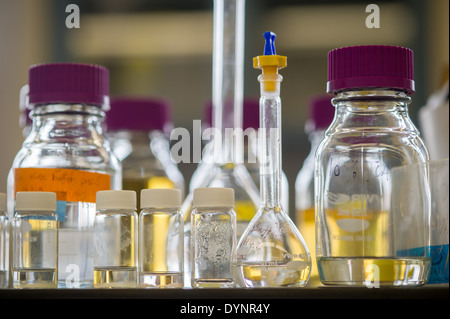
212 249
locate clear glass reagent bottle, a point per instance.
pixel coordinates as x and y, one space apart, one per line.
213 238
161 239
35 240
116 240
66 153
271 252
138 129
361 221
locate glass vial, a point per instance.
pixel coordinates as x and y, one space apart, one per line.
4 242
66 153
138 129
320 116
161 243
360 217
115 240
35 240
213 238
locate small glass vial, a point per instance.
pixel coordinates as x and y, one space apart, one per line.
161 238
4 242
115 240
213 238
35 233
360 220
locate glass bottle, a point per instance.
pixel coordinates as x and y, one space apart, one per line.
161 239
4 242
358 220
271 252
116 240
138 130
66 153
213 239
320 116
35 240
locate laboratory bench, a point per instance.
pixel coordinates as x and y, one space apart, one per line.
320 292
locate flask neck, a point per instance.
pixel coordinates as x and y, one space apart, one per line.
270 150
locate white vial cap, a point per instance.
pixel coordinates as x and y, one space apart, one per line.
2 202
160 197
36 201
213 197
116 199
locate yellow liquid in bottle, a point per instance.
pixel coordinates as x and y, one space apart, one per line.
359 250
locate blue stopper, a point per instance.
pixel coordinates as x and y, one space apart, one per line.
269 47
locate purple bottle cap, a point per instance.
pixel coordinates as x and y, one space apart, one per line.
371 66
138 114
250 117
68 83
320 113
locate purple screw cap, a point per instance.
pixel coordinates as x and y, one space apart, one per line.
321 113
68 83
138 114
371 66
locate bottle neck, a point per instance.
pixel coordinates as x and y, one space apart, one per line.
372 109
71 122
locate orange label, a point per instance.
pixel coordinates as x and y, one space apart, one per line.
69 184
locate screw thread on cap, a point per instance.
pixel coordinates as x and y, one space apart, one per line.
371 66
68 83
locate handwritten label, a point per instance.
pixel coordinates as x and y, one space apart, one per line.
70 185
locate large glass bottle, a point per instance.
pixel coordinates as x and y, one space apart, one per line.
361 220
65 153
271 251
138 129
320 116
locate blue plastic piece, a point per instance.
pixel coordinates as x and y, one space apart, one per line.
269 47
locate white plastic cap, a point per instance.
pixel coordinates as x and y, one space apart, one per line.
213 197
36 201
116 199
161 197
2 202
